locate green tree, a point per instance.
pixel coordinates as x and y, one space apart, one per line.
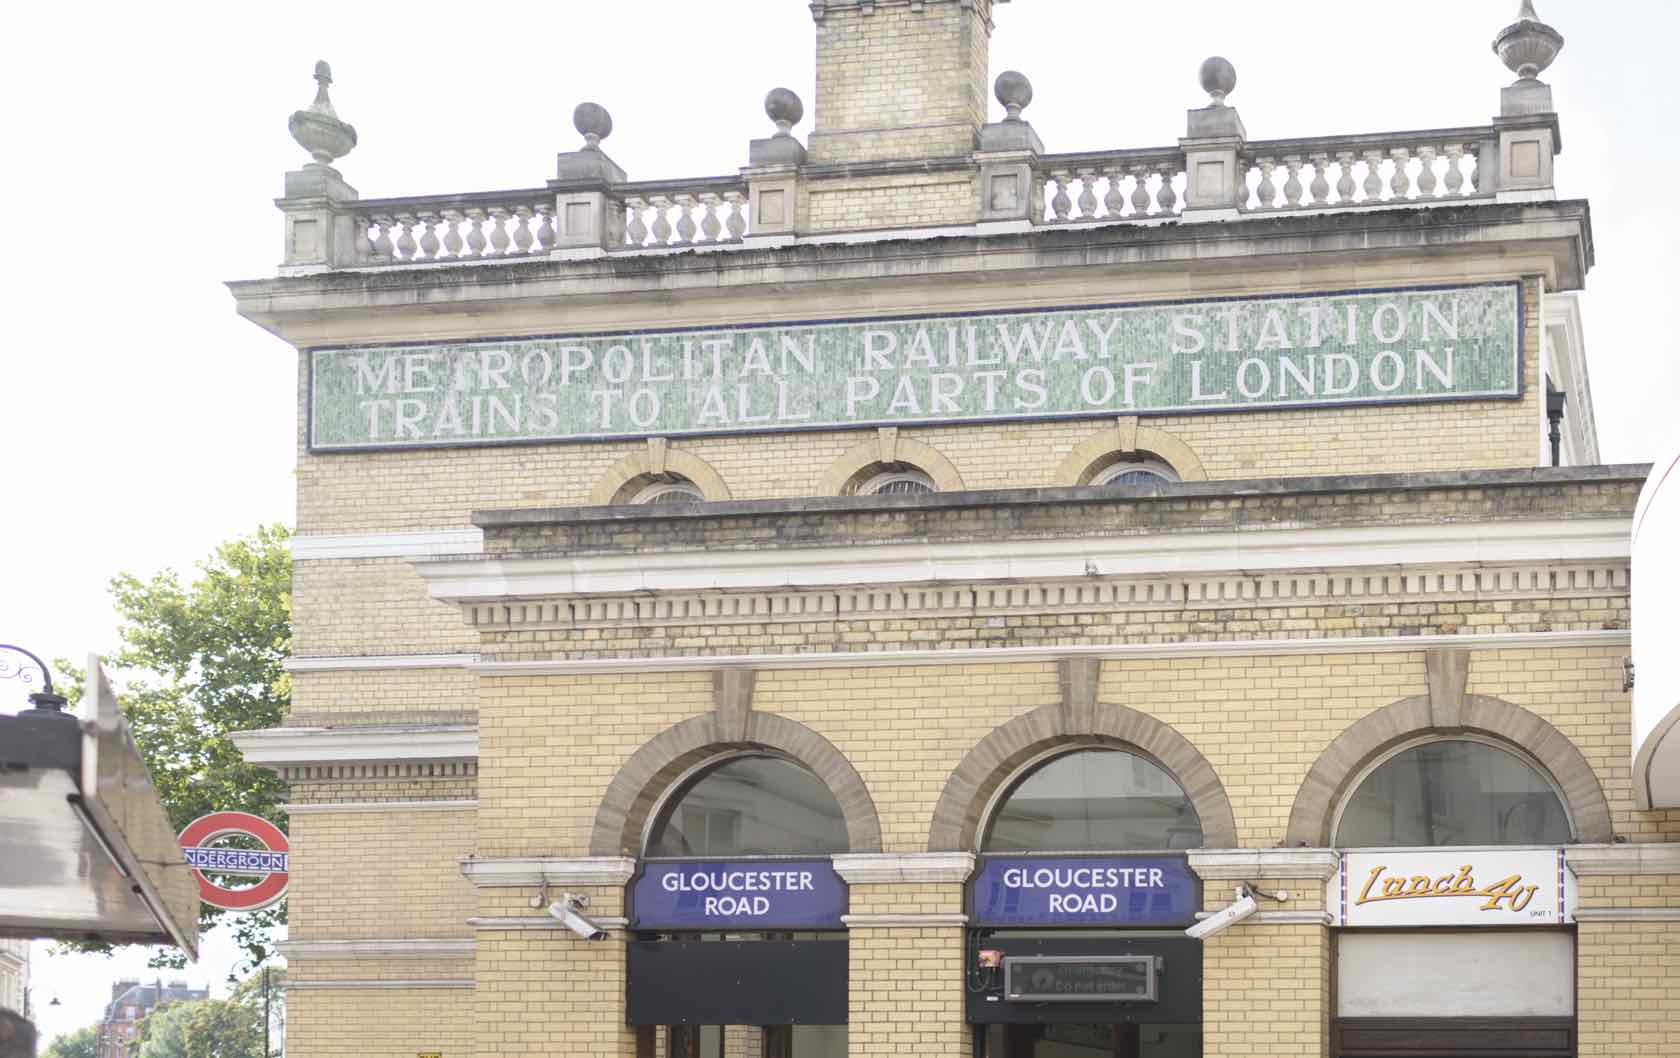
83 1043
163 1032
198 662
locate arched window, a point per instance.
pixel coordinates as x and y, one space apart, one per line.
750 806
1141 471
1094 800
898 479
1452 792
667 488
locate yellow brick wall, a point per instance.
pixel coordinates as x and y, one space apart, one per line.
343 865
920 73
911 200
1265 990
1628 1003
382 695
379 1023
905 993
370 606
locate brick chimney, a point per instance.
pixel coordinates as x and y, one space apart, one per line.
899 79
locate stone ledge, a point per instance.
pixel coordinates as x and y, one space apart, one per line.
535 871
420 948
886 868
1632 858
1249 864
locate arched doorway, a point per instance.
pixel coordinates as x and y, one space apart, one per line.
739 951
1451 857
1078 909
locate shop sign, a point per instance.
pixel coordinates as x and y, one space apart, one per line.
267 864
1084 891
738 894
1225 354
1453 887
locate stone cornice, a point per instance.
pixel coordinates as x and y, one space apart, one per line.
525 922
1552 238
275 747
1632 858
554 870
884 868
460 805
1252 864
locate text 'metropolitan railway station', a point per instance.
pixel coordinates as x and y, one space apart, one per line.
925 594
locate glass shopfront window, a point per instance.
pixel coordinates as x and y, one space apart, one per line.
1106 799
1453 792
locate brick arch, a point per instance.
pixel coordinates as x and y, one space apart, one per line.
889 449
1328 780
998 759
1128 440
654 460
650 772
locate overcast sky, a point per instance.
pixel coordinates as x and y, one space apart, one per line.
143 422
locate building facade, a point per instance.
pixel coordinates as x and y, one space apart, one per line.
926 594
131 1001
14 975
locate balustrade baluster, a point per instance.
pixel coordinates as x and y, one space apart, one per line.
1320 185
428 235
1088 196
545 228
737 222
1140 190
685 219
637 231
1401 181
1344 179
1266 192
522 237
710 226
405 240
1474 177
382 248
1166 197
1061 204
1292 186
499 239
1373 176
364 245
1114 203
1426 172
661 220
451 233
1455 176
475 233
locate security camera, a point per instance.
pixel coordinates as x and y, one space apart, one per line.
1225 917
566 910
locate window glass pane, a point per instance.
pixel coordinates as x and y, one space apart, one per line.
1102 800
1453 793
752 806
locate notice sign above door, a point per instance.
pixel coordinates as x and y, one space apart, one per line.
1218 354
1452 887
738 894
1084 891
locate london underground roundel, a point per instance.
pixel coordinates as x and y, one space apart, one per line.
267 864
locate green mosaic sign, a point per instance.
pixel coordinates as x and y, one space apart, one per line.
1236 354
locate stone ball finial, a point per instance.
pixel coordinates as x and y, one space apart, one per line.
1527 46
593 122
784 108
1219 77
318 129
1014 91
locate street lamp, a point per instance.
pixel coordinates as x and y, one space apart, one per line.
45 702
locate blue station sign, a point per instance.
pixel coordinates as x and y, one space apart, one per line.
738 894
1084 891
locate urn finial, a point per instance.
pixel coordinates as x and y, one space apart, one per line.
1014 91
318 129
784 108
593 121
1527 46
1219 78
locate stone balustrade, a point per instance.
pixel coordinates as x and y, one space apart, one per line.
1216 173
700 212
1331 172
1112 186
